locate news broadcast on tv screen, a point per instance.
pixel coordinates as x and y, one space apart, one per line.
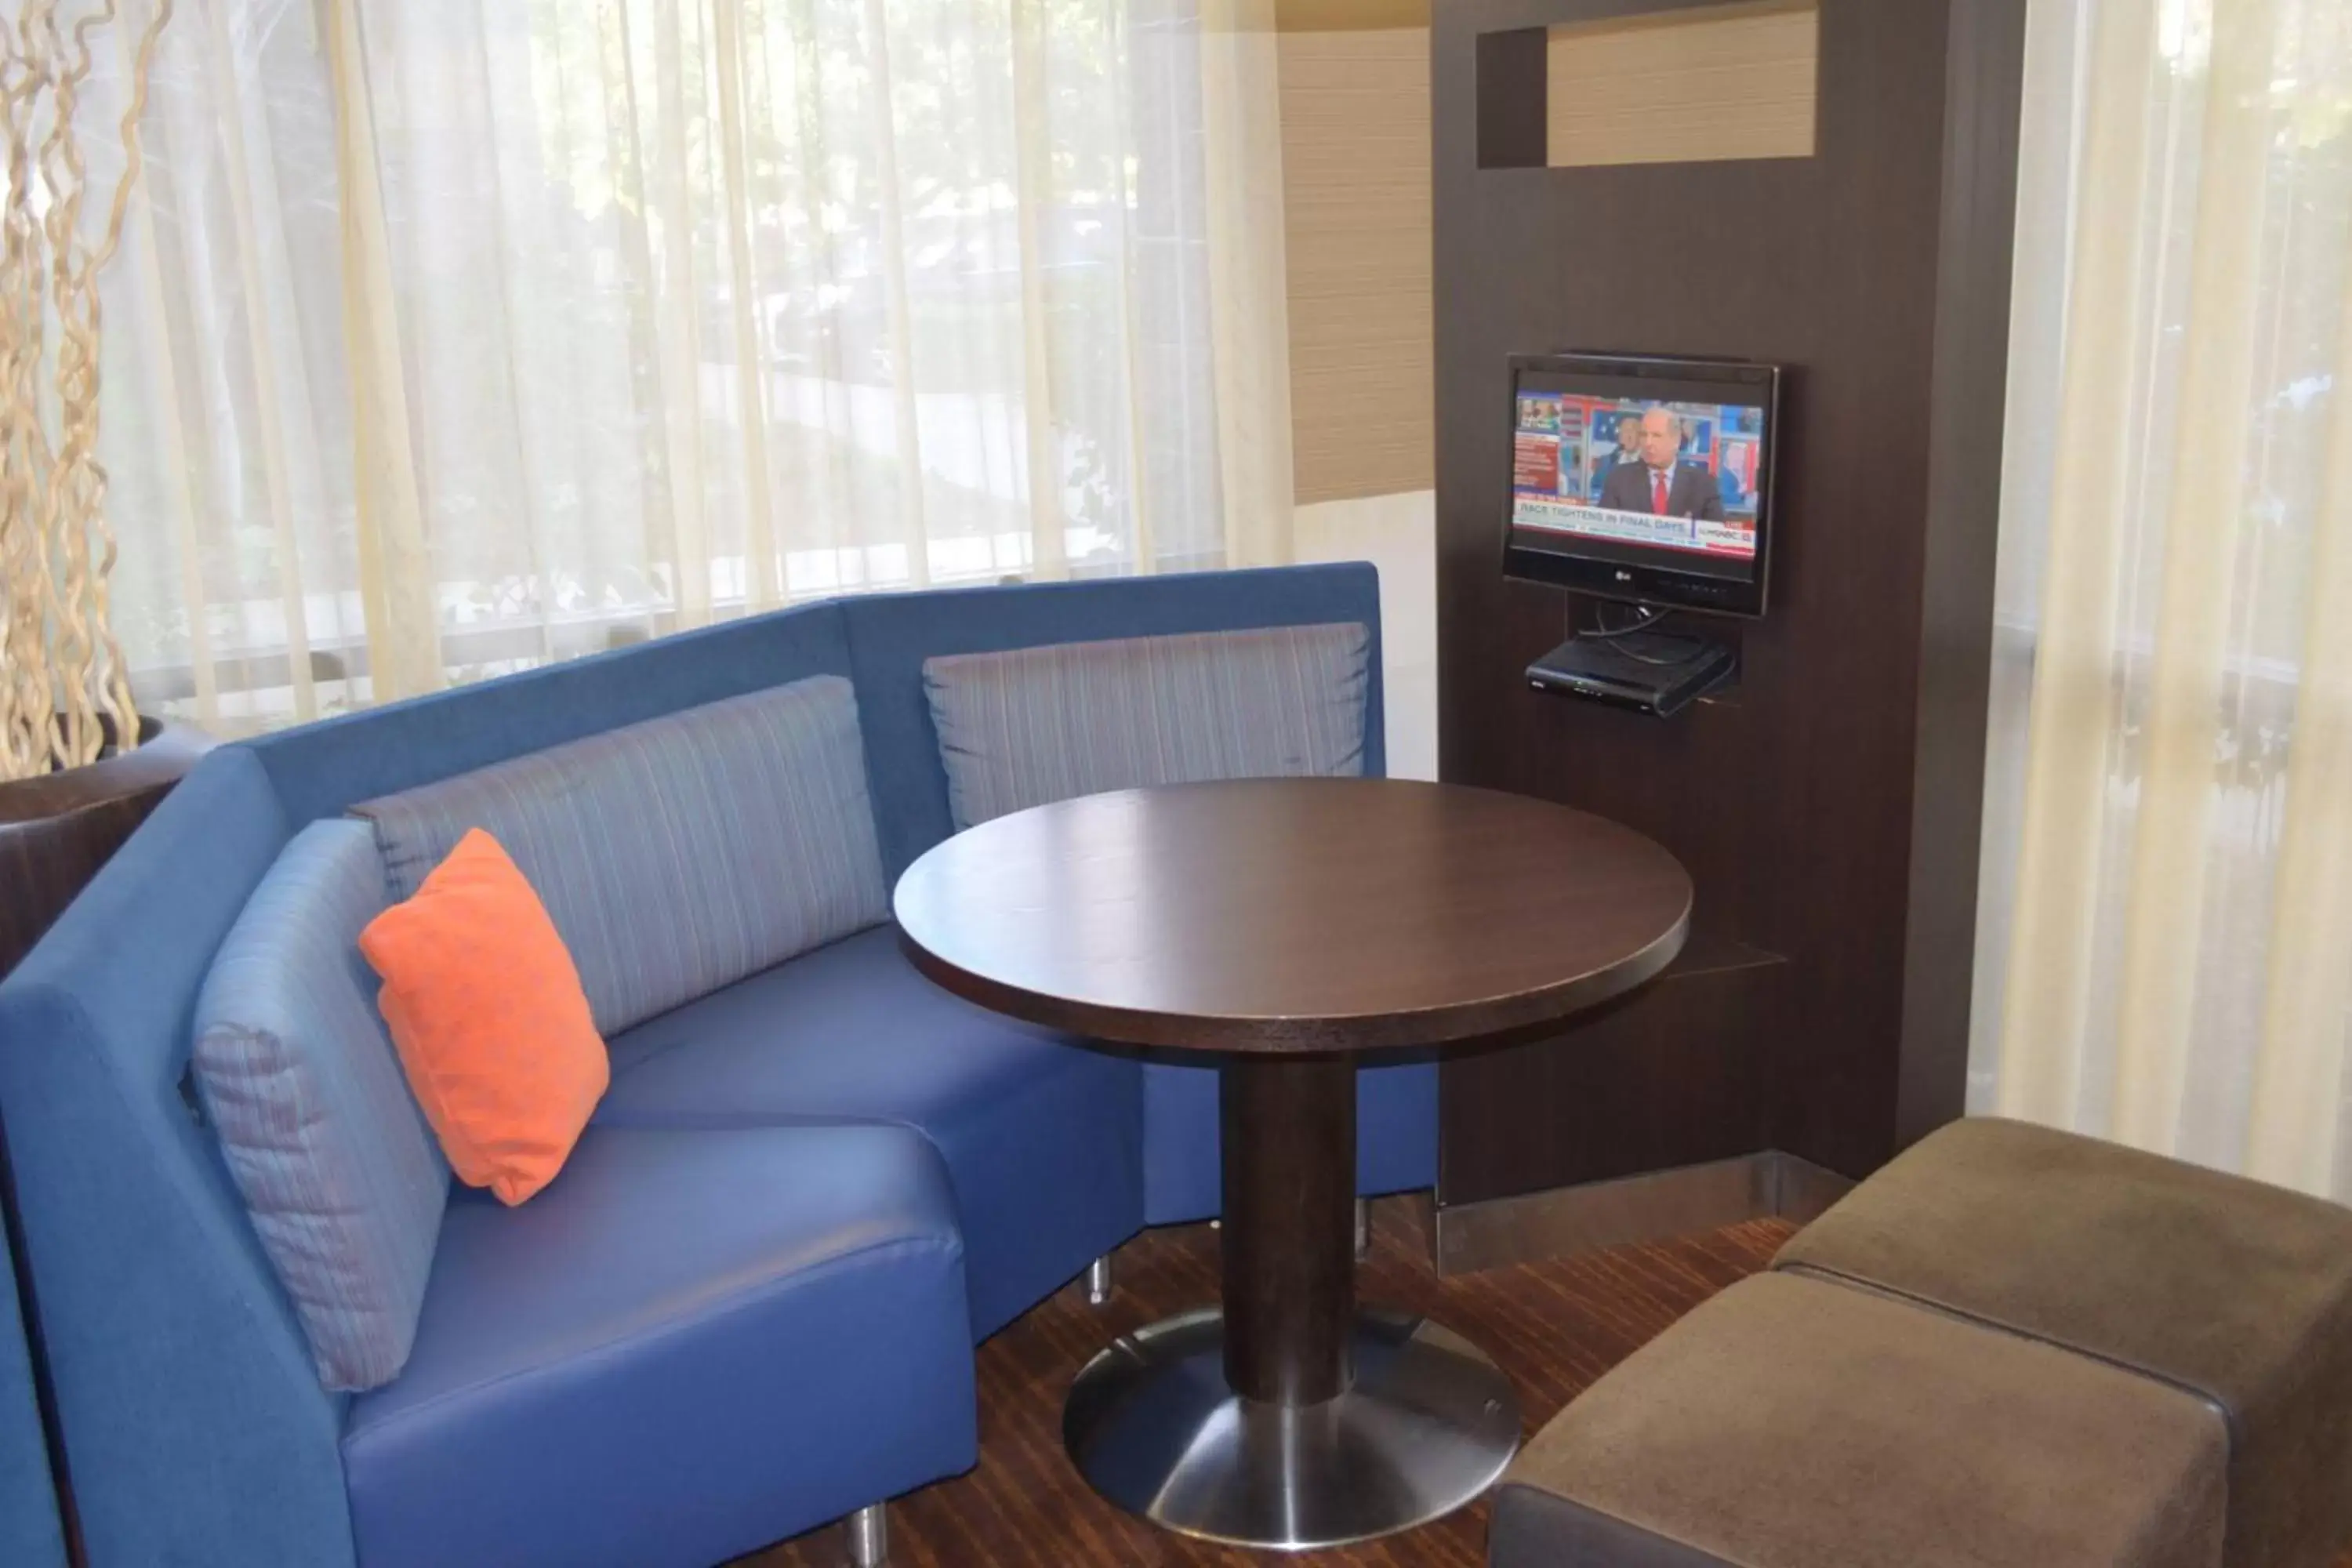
1652 482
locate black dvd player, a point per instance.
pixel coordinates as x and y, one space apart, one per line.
1647 672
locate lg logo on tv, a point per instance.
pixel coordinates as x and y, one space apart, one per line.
1625 576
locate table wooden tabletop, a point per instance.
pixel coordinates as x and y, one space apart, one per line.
1290 915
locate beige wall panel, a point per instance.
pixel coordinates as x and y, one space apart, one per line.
1728 82
1348 16
1355 150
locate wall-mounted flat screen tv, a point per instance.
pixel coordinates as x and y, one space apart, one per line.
1643 479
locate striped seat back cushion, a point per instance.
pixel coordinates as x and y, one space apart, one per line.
1038 725
678 855
338 1168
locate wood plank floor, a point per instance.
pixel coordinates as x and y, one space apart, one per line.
1554 1327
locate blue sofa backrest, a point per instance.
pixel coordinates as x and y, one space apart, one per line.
195 1429
880 642
891 635
322 769
189 1406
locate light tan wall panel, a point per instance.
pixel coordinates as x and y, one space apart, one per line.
1729 82
1348 16
1355 150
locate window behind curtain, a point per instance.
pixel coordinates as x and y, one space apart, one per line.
688 310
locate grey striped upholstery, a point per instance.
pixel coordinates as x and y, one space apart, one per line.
337 1166
678 855
1040 724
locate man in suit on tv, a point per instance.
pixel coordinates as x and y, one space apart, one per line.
1660 484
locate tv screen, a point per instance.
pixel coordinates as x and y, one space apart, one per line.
1643 479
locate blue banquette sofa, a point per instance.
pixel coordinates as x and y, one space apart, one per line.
747 1304
30 1531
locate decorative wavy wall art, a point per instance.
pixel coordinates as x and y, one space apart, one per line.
65 694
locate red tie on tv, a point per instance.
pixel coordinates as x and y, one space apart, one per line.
1658 491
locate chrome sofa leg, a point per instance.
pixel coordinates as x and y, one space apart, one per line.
1099 1282
869 1536
1364 1228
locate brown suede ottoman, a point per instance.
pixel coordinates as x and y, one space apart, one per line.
1794 1423
2238 1292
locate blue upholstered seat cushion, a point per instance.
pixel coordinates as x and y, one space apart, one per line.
1041 1134
676 855
336 1164
1037 724
690 1344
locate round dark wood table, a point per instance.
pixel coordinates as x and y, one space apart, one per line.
1281 929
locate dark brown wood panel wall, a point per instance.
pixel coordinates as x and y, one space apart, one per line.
1792 801
1985 73
1662 1079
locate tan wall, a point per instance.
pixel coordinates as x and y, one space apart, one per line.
1355 151
1729 82
1683 87
1348 16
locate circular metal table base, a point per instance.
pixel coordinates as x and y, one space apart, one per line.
1428 1424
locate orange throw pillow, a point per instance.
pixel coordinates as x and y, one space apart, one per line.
485 1009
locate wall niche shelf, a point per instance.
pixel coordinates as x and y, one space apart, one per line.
1659 84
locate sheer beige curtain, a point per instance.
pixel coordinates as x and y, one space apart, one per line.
2165 945
455 336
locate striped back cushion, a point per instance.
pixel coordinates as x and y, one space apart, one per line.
678 855
337 1166
1040 724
